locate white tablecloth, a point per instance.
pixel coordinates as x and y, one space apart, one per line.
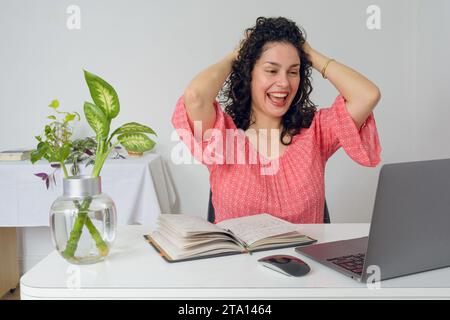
140 188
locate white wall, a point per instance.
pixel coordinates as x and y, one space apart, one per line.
432 85
149 50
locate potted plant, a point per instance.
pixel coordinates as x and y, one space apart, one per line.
83 205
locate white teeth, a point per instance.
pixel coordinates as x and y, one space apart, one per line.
279 95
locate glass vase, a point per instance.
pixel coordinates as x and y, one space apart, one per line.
83 221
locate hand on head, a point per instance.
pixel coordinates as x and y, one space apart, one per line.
306 47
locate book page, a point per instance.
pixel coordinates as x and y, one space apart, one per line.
187 225
251 229
195 240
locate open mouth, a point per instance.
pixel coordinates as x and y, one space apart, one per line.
278 99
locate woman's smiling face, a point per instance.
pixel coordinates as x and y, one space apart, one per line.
275 79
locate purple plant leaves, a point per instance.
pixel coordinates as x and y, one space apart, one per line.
88 152
55 165
42 175
47 178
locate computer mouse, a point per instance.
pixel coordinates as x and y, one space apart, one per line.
288 265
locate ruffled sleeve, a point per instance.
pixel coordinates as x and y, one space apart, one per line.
334 128
207 147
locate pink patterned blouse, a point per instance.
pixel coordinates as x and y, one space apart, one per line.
291 187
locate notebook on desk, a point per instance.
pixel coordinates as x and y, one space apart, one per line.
182 237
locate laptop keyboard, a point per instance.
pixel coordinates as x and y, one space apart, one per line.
353 263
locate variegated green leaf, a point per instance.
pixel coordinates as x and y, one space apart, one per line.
96 119
133 127
137 142
103 95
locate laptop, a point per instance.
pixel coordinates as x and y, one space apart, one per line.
410 228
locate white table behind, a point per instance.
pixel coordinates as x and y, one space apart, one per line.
135 270
140 188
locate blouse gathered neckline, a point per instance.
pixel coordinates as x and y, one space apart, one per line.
279 158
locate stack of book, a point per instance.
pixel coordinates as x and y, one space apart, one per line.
14 155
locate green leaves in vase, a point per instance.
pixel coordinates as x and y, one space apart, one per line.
97 120
103 94
55 143
132 136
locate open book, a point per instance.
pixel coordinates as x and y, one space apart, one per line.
182 237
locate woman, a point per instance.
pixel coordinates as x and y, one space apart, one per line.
268 88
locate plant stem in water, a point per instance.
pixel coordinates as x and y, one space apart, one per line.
77 229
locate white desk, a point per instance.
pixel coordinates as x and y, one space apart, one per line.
135 271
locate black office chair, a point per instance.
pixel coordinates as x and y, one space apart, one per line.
212 215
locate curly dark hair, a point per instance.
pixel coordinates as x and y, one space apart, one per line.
237 89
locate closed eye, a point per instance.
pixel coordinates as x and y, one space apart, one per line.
274 71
